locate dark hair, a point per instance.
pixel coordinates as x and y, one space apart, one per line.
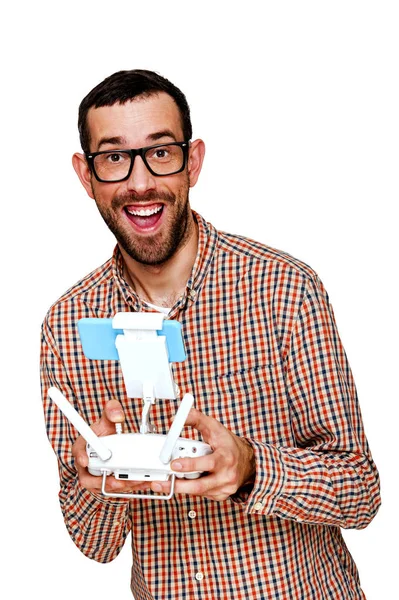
124 86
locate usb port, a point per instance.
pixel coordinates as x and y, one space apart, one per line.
123 476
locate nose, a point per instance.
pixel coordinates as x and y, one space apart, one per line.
140 179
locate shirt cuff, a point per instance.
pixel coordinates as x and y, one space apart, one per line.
269 482
97 525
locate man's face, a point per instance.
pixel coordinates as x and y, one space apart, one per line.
149 215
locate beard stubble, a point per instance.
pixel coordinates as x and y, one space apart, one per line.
157 249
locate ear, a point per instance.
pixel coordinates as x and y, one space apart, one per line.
83 172
195 160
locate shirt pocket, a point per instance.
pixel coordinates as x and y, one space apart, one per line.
251 403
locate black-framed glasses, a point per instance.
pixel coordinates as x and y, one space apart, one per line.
116 165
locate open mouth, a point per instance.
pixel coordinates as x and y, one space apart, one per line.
144 218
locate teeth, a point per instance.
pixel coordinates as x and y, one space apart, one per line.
144 213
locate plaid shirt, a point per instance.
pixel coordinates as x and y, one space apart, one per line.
265 359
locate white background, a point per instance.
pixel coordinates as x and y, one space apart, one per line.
298 105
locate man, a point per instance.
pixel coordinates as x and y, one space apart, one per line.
274 394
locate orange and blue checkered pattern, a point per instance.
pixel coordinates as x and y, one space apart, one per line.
265 359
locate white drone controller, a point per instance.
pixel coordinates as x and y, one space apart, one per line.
145 344
136 456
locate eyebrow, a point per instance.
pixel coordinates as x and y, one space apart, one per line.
160 134
121 141
114 141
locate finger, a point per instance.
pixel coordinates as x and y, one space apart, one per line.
161 486
113 413
87 481
210 429
201 464
203 486
125 487
79 452
198 419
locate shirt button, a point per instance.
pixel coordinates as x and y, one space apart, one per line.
192 514
199 576
258 506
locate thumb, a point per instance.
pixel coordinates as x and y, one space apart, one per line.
112 413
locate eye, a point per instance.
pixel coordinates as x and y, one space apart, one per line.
114 157
161 153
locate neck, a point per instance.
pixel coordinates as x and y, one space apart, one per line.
163 284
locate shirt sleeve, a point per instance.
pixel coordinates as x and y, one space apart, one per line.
329 477
97 526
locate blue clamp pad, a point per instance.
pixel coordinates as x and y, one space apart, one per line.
98 339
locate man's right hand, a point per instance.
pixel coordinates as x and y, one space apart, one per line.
113 413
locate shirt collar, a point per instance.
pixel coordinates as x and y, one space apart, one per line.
207 244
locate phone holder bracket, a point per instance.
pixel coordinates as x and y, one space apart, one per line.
144 360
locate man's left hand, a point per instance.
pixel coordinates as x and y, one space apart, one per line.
228 468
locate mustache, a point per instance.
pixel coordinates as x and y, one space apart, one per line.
150 196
